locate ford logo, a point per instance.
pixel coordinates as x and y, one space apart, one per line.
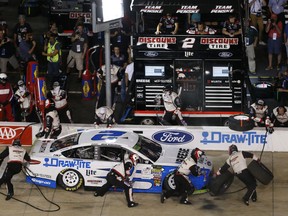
151 54
225 54
172 137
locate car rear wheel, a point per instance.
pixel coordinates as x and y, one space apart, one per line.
70 180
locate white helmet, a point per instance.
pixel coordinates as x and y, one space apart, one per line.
134 158
3 77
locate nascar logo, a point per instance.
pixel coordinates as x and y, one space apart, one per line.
173 137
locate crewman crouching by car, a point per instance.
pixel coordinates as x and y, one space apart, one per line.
119 177
104 115
237 162
16 155
183 185
279 116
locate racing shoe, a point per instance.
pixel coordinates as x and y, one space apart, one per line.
163 198
246 202
96 194
254 197
132 204
185 202
9 196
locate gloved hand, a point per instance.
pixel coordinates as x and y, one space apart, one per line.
96 125
57 97
21 100
257 119
270 130
267 122
40 134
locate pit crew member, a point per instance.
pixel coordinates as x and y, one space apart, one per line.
172 105
104 115
183 185
60 98
16 155
259 113
119 177
167 25
52 122
237 162
279 116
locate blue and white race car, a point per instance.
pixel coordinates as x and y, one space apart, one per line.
84 158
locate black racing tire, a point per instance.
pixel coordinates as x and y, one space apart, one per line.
263 90
169 183
260 172
218 185
70 180
240 122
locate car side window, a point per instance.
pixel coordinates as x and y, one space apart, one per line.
111 154
86 152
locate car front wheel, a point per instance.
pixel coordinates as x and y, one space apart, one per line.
70 180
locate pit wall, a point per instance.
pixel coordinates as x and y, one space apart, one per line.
203 137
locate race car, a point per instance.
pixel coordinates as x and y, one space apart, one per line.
84 158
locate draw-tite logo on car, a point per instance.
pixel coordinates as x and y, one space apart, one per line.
172 137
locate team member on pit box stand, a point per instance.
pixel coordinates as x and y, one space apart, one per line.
60 98
52 122
167 25
119 177
181 177
279 116
27 104
232 27
172 105
16 155
238 163
104 115
259 114
6 95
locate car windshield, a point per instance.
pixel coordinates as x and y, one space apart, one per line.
149 148
65 142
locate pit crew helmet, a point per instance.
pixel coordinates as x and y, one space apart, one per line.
134 158
233 148
20 83
196 154
260 102
3 78
168 88
16 142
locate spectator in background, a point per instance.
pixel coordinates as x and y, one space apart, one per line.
78 50
3 25
232 27
274 29
27 48
52 51
20 30
6 95
279 116
167 25
7 53
251 39
119 38
256 17
277 7
286 41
